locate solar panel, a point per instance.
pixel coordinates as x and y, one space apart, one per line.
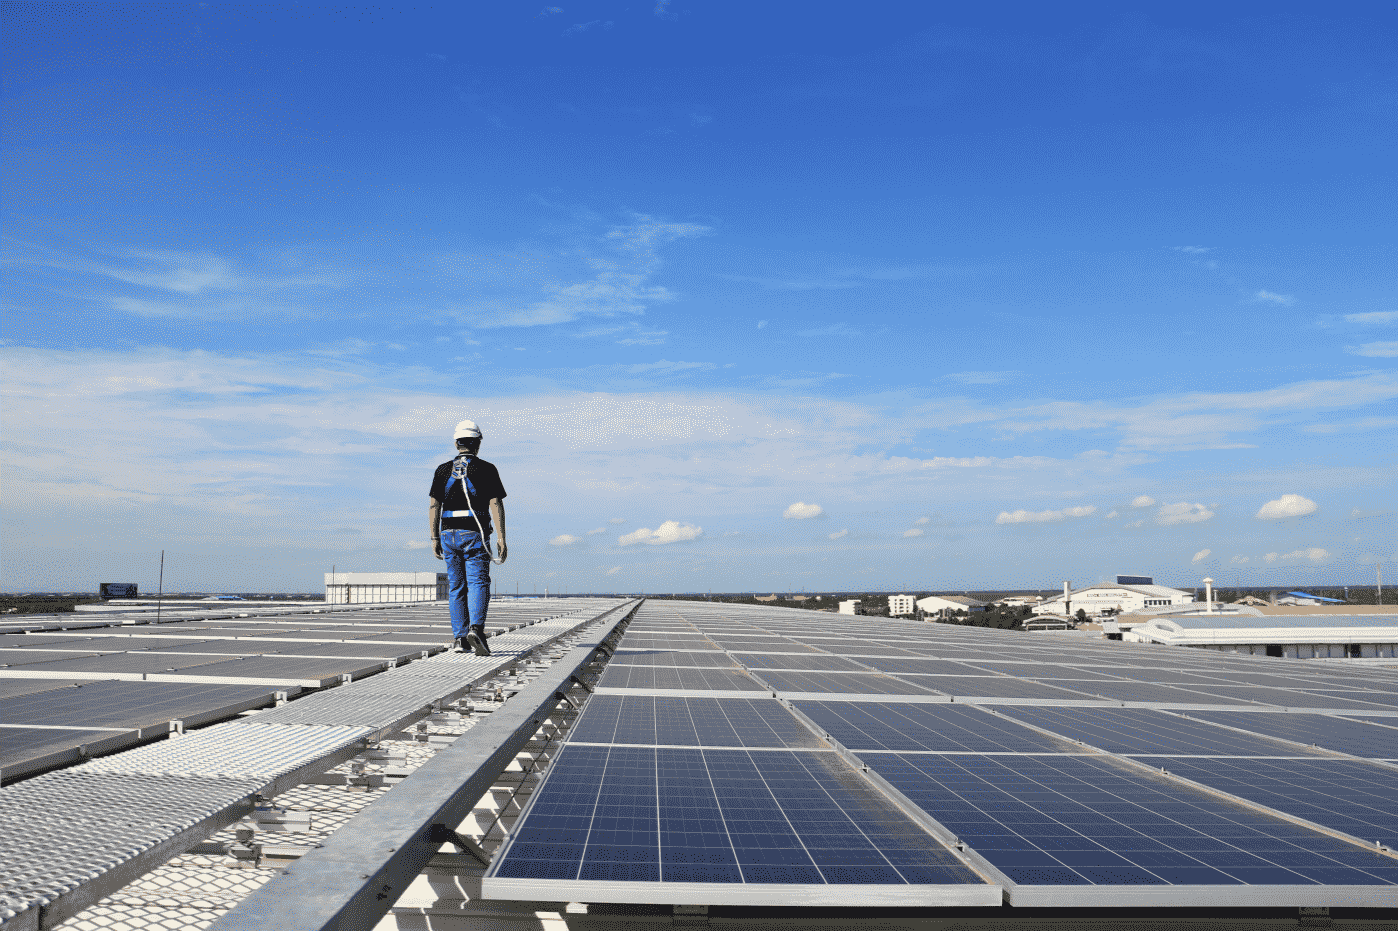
1345 735
689 721
1292 698
1144 730
13 688
29 657
143 661
131 704
1056 822
644 815
867 683
674 658
658 677
922 727
1353 796
808 661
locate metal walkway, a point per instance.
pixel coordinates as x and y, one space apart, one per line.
70 837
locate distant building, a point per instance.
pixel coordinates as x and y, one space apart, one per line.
1305 598
764 597
1050 622
1097 599
849 607
935 604
384 587
1018 601
900 605
1298 636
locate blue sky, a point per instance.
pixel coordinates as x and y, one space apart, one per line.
745 297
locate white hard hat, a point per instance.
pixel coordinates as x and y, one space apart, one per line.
467 428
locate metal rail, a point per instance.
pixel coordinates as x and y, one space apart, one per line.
359 873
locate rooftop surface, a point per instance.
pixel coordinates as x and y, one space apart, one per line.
765 759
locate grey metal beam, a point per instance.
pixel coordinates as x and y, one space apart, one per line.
355 877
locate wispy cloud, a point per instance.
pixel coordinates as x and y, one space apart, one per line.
565 539
840 279
1314 554
1240 560
980 378
1042 517
620 284
578 28
596 530
1201 556
839 533
922 521
1143 501
1374 316
1381 350
913 532
1193 250
613 570
1269 297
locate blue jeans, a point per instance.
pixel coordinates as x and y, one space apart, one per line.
468 578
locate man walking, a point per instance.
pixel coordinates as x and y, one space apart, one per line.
470 491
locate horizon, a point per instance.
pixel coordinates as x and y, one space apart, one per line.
743 294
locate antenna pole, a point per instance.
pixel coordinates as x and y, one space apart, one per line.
160 587
330 595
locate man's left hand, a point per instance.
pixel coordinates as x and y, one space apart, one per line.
504 550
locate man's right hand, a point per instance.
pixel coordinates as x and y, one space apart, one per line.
437 547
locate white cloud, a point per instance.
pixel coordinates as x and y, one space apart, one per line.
1110 515
1267 297
417 545
613 570
1201 556
839 533
565 539
617 520
801 511
914 532
1040 517
1375 350
1308 554
1374 316
1182 513
595 531
1193 250
1271 557
1144 501
1286 506
921 521
1136 523
1239 560
668 532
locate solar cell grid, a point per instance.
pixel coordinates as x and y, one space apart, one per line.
143 661
676 658
1355 797
1148 692
659 677
921 727
1335 699
808 661
867 683
1090 820
1040 671
1286 698
14 688
1333 733
127 704
728 816
920 666
29 657
995 687
688 721
1143 730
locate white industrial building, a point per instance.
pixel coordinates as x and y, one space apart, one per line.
384 587
935 604
849 607
1105 598
900 605
1298 636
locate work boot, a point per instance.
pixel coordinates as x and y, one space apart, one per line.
459 645
476 638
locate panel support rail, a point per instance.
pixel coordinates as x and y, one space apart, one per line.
351 882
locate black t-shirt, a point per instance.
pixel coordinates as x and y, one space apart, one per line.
485 484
